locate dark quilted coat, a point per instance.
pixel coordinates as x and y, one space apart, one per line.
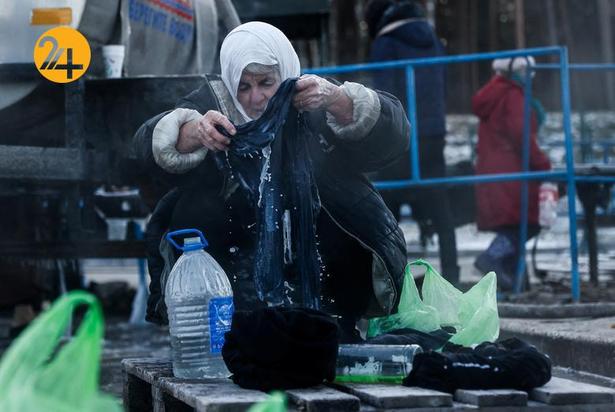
347 196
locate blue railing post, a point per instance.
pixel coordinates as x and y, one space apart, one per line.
570 175
415 174
525 166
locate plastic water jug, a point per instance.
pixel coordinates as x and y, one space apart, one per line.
374 363
199 303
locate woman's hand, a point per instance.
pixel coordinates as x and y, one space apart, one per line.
316 93
203 133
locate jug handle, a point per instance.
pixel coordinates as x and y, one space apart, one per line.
195 246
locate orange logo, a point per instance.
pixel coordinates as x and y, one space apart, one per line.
62 54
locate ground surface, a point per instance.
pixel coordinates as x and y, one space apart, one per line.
123 340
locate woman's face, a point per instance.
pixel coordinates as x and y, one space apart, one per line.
255 90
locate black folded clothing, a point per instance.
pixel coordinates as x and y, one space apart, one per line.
510 364
281 348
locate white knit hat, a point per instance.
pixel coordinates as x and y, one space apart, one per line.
518 65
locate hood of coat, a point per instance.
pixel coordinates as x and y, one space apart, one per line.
490 95
415 33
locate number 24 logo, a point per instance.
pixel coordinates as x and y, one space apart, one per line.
51 62
62 54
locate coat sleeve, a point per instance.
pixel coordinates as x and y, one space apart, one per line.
143 146
513 128
156 227
386 142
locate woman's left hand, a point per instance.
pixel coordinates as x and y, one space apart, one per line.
315 93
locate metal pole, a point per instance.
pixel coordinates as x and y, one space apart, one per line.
63 291
525 165
139 303
431 61
570 175
519 24
577 66
74 135
606 42
460 180
415 174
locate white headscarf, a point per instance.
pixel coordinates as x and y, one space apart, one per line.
255 42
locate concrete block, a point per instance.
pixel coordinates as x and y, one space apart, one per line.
560 391
137 394
220 395
492 397
148 369
323 399
387 396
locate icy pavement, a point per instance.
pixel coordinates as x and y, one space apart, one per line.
552 253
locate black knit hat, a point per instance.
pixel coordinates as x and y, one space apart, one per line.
281 348
379 13
373 13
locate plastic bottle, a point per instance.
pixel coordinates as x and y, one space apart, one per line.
374 363
547 204
199 303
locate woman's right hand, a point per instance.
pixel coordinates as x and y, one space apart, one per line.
203 133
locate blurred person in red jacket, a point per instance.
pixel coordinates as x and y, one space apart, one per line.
500 108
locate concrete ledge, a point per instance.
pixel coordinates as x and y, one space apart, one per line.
581 376
576 310
580 344
564 392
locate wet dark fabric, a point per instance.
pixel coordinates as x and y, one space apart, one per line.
275 183
510 364
281 348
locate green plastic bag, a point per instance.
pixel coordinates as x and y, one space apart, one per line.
275 402
473 314
39 374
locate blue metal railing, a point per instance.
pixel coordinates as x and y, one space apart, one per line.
525 176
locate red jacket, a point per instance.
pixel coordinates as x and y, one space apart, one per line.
499 106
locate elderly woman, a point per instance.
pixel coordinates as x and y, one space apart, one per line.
499 106
350 129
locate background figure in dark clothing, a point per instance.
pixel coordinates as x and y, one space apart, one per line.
500 107
400 31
